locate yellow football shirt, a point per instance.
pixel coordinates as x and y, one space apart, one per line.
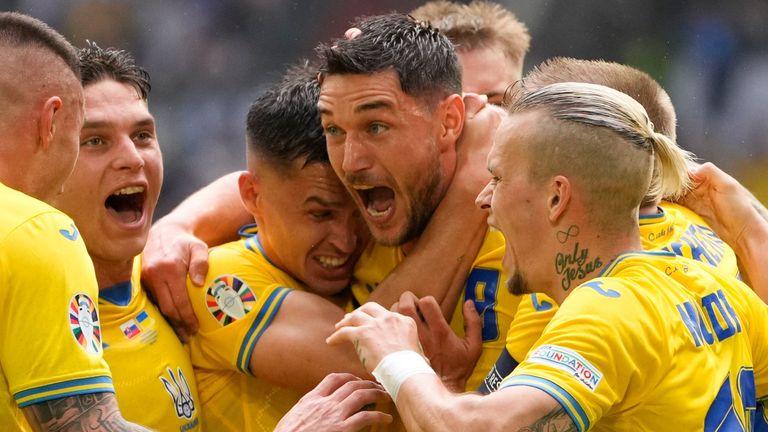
674 228
657 342
242 294
485 286
152 373
50 328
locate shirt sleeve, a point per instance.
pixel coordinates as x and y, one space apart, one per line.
50 324
586 358
234 308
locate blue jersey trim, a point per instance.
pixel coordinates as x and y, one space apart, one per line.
104 380
646 219
250 340
255 239
118 294
562 397
611 265
247 230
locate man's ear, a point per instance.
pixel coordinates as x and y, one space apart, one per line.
452 120
49 114
558 197
250 188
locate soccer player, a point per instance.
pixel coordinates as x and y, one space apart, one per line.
53 374
663 225
111 196
270 299
611 357
490 42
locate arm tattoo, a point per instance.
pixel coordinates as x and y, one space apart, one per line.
87 412
556 420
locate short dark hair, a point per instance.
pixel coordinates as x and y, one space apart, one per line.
21 30
423 58
283 124
99 64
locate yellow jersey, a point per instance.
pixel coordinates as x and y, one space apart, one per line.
50 328
673 228
657 342
485 286
242 293
153 376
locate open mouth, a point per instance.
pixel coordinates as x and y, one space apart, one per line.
127 204
377 200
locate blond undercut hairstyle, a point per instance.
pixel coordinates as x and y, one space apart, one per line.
478 24
641 87
605 140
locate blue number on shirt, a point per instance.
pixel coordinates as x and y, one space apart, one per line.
722 413
482 287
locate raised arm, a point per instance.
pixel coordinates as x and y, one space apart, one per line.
92 412
439 263
731 210
178 246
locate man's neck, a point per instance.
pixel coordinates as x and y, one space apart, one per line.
109 273
583 257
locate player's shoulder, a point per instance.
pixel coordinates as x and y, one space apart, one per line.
34 217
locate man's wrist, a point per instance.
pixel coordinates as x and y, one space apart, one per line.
397 367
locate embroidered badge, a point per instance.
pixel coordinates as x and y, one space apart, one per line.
228 299
569 361
84 323
178 388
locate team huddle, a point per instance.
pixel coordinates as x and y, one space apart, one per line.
424 239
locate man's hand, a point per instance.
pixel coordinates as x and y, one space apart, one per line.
480 123
376 332
171 253
452 357
338 404
723 202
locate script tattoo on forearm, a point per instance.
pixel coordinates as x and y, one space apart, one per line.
556 420
576 264
87 412
359 351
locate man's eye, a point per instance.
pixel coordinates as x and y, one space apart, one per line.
377 128
93 141
332 130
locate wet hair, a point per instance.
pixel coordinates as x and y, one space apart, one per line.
641 87
479 24
423 58
19 30
283 124
99 64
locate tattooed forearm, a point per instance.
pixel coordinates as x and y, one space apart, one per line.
88 412
556 420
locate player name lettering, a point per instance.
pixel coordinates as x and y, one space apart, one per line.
719 321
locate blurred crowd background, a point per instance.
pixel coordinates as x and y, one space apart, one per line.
210 58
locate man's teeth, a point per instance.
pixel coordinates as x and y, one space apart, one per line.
375 213
331 262
362 187
129 190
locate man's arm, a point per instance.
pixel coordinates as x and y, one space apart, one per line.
86 412
439 263
178 245
422 400
729 208
295 340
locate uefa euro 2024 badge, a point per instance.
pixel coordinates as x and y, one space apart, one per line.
84 323
229 298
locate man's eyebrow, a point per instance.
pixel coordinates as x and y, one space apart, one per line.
98 124
373 105
318 200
